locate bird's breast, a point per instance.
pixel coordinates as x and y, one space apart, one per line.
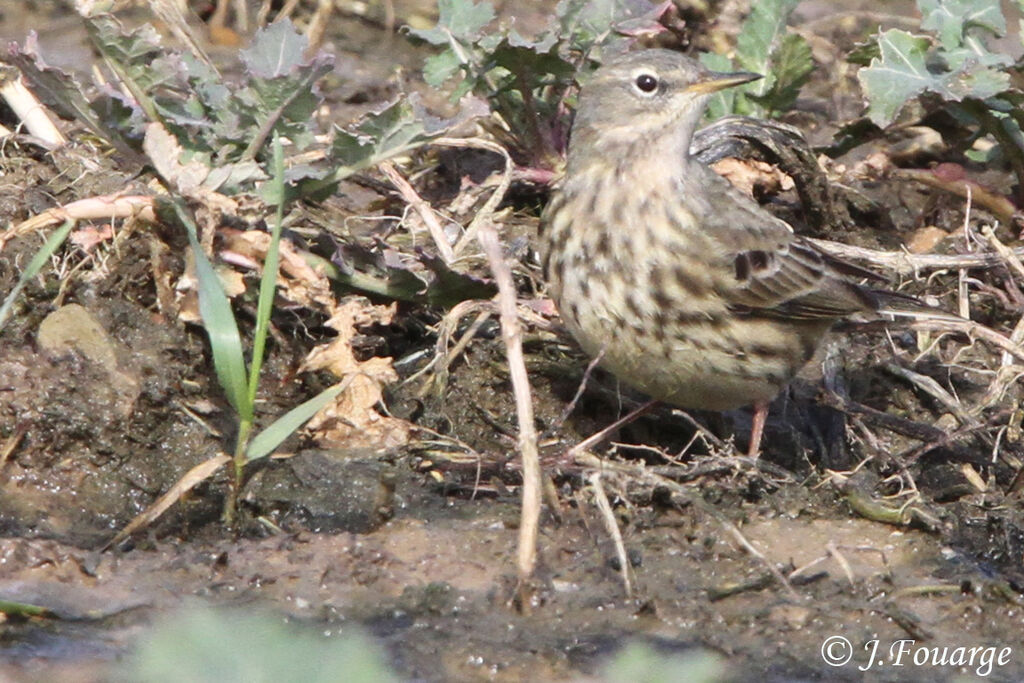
640 285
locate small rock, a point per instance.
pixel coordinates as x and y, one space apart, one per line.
793 616
72 328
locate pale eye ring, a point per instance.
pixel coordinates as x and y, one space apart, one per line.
646 83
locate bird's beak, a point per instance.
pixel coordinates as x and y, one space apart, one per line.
716 81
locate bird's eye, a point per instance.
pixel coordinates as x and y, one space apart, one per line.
646 83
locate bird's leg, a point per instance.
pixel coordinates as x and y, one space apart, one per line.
757 428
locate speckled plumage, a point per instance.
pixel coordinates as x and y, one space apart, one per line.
686 288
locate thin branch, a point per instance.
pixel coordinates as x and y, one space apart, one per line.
905 263
971 329
611 524
511 333
603 434
425 211
487 210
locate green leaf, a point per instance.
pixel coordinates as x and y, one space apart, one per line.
24 610
952 19
862 53
642 662
289 101
60 91
264 443
138 60
226 646
901 73
224 125
458 19
975 81
396 129
440 67
448 287
215 309
792 65
762 30
532 62
583 24
895 77
276 50
268 279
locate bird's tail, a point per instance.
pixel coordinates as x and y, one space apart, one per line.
905 306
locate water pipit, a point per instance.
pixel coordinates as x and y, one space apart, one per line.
683 286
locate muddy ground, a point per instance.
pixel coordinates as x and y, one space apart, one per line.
895 518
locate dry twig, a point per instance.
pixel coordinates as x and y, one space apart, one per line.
192 478
905 263
611 524
422 208
512 335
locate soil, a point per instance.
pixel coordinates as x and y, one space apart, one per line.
895 519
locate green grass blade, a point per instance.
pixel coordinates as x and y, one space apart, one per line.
219 322
40 258
268 283
270 438
23 609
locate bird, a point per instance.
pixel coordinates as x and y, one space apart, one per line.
680 284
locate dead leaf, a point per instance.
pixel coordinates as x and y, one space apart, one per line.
164 153
925 240
192 478
299 282
746 175
352 419
88 237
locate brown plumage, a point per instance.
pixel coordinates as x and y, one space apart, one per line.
686 288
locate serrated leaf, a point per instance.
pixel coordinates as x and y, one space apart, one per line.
426 279
449 287
531 63
952 19
205 82
792 64
440 67
61 92
123 46
896 76
381 135
973 80
762 30
590 19
582 23
973 54
276 50
396 129
542 44
458 19
234 177
901 73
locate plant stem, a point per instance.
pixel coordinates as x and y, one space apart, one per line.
543 151
237 470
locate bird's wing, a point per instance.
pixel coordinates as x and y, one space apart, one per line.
769 271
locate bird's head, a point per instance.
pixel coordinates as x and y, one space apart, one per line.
648 94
